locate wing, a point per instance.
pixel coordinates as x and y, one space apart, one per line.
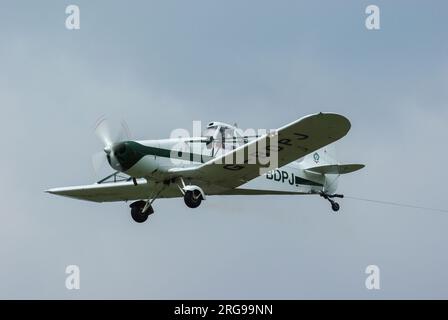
295 140
112 191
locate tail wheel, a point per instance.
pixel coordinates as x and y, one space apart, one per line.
335 206
136 212
193 198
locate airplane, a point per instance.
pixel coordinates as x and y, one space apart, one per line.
222 161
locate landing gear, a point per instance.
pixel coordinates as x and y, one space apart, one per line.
334 205
193 198
141 210
137 212
193 195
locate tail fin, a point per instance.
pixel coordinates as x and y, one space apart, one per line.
322 157
323 161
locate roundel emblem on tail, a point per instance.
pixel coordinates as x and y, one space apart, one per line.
316 157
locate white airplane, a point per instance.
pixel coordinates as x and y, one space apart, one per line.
222 162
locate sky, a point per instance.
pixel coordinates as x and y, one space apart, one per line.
159 65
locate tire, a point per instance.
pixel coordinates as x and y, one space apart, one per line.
192 199
136 212
335 206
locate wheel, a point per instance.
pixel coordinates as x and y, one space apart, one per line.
137 214
192 199
335 206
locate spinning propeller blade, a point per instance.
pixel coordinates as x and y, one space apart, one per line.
103 130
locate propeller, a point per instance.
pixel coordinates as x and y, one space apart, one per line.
104 129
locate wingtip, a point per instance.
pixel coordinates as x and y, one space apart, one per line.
50 191
359 166
333 114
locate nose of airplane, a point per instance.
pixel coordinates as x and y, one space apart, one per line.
116 154
123 155
119 149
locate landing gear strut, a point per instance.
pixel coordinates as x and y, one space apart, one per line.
334 205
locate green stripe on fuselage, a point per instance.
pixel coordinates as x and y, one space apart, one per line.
134 152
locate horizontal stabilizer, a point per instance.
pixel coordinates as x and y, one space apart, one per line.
336 168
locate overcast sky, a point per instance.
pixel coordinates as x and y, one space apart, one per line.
159 65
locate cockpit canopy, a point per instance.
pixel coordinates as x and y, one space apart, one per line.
224 135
